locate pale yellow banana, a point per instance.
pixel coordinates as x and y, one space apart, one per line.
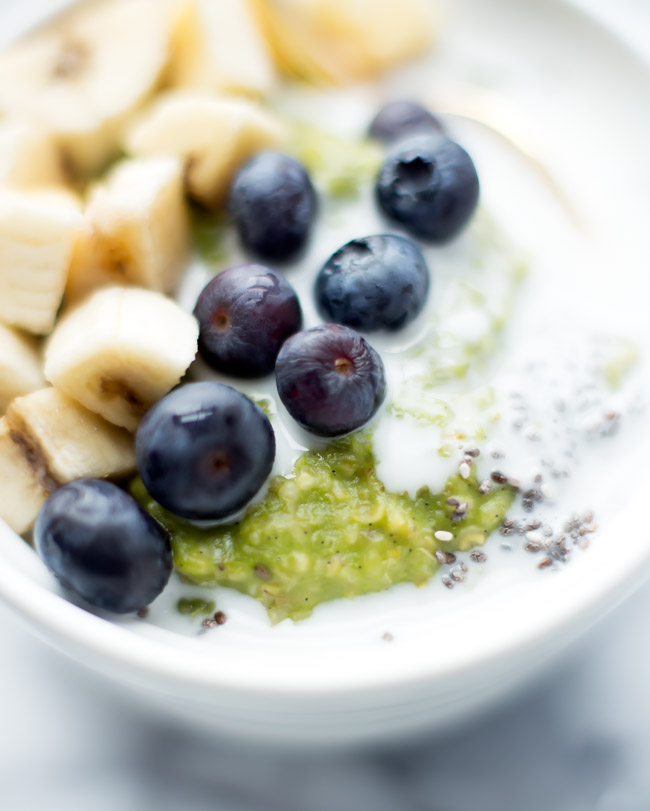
21 365
339 41
48 439
38 231
23 490
219 46
137 229
82 76
212 135
120 350
28 156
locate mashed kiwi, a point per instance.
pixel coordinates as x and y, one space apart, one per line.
330 530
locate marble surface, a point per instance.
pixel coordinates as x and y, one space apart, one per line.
578 741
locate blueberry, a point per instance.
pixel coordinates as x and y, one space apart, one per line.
330 379
430 186
102 546
373 283
204 450
401 118
245 314
273 204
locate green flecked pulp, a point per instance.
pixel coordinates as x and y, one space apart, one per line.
331 530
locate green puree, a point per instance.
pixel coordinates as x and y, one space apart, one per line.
330 530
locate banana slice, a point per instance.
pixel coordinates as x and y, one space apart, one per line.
37 235
21 365
23 491
28 156
380 33
120 350
213 136
68 439
138 229
300 50
339 41
82 76
218 46
46 440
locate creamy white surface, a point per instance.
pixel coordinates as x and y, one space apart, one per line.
561 332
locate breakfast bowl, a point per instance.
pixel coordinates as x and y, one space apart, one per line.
538 310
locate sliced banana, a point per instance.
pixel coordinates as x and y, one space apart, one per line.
339 41
300 50
219 46
83 75
120 350
23 490
21 365
38 231
28 156
71 441
138 230
212 135
46 440
380 33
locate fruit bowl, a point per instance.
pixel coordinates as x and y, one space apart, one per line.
544 118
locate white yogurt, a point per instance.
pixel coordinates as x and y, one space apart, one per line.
534 399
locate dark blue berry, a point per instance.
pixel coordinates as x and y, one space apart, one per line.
102 546
402 118
330 379
273 204
430 186
245 314
373 283
204 450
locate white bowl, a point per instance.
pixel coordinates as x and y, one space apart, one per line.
584 99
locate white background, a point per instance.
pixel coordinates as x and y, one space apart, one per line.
579 741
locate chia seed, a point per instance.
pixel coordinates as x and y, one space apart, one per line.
457 574
477 556
533 495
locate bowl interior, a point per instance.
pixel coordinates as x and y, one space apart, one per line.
568 110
